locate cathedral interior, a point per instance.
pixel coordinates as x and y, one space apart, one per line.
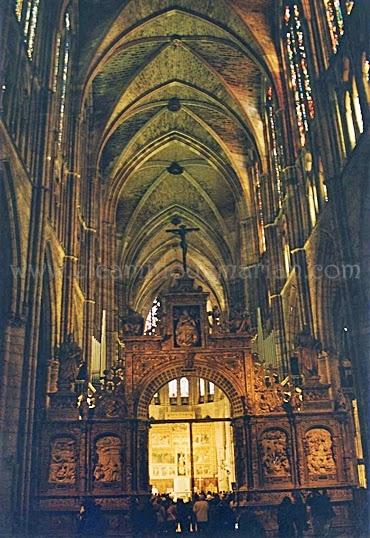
185 226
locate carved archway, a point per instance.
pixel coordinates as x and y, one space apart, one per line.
153 382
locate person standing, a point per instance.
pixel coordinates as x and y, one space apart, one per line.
314 502
299 514
183 516
286 519
91 521
327 513
171 519
200 510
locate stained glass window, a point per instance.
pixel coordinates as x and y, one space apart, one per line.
64 72
276 146
334 16
172 388
30 24
261 223
298 67
184 387
349 6
202 387
18 9
56 63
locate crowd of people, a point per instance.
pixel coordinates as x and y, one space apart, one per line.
221 516
215 515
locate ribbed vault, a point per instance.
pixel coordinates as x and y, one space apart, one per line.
177 90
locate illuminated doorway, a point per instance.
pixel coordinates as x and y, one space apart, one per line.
191 445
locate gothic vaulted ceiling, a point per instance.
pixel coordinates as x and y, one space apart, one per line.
177 91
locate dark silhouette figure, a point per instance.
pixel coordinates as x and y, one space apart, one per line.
249 525
299 514
144 519
184 515
322 513
91 521
225 519
286 519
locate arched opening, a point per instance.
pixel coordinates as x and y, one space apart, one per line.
191 446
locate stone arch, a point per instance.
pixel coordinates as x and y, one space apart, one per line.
153 382
329 290
12 232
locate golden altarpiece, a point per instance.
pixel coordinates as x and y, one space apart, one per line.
288 434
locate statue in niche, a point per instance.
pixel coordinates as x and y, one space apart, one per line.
274 454
340 401
108 468
319 452
63 461
181 464
307 350
239 322
69 355
214 319
186 332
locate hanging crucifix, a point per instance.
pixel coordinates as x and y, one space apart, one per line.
182 232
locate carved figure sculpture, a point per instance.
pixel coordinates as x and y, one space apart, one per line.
186 331
132 324
63 461
319 452
307 351
181 464
69 355
274 454
108 468
239 322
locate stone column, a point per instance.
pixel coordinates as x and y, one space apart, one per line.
10 407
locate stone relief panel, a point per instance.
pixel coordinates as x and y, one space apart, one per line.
319 452
108 468
63 461
273 447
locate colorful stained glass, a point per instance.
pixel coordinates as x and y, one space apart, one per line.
56 63
298 66
349 6
276 146
334 17
64 75
18 9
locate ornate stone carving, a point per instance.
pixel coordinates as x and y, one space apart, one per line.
268 401
268 391
187 332
239 322
108 468
132 324
69 355
274 454
63 461
319 452
341 401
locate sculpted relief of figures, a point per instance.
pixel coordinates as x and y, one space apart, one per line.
268 395
274 454
187 331
108 468
319 452
63 461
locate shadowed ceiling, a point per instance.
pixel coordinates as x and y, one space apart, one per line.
177 90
